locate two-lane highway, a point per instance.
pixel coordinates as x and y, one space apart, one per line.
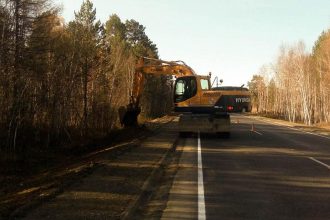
264 171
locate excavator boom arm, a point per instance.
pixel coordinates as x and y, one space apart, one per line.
163 68
174 68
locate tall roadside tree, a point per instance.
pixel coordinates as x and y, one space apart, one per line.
321 76
46 67
6 62
85 30
119 63
17 17
155 86
257 88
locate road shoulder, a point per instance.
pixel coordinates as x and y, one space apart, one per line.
297 126
111 183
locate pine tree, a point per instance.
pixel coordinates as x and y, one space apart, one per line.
86 33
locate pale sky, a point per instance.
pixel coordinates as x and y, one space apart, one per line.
230 38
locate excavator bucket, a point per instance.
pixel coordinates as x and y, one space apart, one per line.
128 115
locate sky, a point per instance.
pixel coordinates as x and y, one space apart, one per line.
230 38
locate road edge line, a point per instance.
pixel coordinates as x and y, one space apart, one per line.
319 162
201 197
286 126
257 133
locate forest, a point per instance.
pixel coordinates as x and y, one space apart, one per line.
63 82
296 87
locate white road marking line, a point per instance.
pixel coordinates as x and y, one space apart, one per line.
319 162
257 132
201 199
319 135
279 124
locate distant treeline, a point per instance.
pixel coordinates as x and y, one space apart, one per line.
62 81
297 86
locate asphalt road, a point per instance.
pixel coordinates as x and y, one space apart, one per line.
264 171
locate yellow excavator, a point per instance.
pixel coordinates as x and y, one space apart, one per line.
201 108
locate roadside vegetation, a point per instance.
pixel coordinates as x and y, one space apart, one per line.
61 83
296 87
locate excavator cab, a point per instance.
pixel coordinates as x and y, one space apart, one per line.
188 93
185 88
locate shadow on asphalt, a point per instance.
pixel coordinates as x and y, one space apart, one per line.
267 175
107 190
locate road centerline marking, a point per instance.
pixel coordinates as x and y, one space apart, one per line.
201 197
320 162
